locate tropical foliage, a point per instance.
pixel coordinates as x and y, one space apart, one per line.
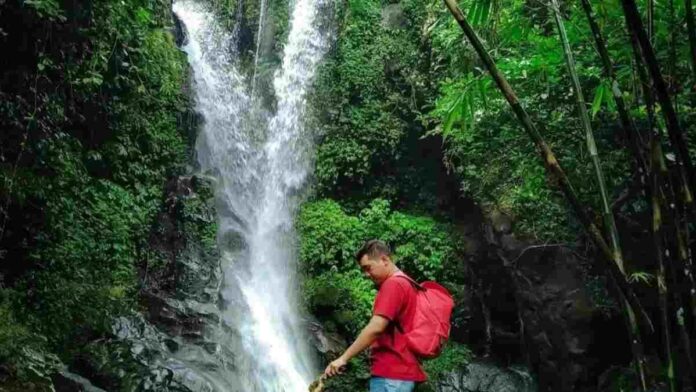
92 112
413 132
405 74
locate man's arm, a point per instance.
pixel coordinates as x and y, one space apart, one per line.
369 334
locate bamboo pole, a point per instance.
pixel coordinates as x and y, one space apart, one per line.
607 215
657 169
630 131
552 166
684 203
691 30
651 19
663 189
685 266
683 256
676 136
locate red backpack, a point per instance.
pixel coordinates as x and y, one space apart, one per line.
431 323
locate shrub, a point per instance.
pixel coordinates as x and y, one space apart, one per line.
13 335
423 247
334 288
342 300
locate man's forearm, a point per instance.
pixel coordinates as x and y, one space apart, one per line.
363 341
377 325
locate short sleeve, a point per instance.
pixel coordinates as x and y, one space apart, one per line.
389 300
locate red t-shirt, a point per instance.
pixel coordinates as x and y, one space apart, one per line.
396 300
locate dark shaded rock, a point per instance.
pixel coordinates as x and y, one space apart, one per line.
158 369
532 303
616 378
393 17
68 382
329 345
184 254
179 31
500 222
172 345
178 318
485 377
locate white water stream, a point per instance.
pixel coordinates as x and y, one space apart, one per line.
260 159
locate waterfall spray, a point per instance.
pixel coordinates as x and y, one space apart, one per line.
259 32
257 178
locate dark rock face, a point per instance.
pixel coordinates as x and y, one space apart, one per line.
329 345
190 269
179 31
556 314
179 274
176 318
68 382
485 377
393 17
531 303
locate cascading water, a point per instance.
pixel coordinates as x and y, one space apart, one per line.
259 31
260 160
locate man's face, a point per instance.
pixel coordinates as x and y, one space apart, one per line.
377 268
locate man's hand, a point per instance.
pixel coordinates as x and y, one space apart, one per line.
335 367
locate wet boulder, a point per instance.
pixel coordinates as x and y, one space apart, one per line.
393 17
538 304
486 377
330 345
66 381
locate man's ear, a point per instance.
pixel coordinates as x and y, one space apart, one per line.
384 259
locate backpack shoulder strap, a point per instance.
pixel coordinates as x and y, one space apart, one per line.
415 284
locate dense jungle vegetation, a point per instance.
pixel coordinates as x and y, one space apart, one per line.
411 117
92 110
416 145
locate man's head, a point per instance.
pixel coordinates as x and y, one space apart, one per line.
375 261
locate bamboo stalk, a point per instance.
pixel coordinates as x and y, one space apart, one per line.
676 136
658 164
691 30
552 165
685 205
687 257
651 19
672 62
656 229
607 215
685 264
630 131
684 257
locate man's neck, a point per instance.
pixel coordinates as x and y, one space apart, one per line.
394 271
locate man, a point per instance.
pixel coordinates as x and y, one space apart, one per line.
394 368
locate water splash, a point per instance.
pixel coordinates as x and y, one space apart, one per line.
260 161
259 32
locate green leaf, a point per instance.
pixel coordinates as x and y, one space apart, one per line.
597 101
479 11
454 114
142 16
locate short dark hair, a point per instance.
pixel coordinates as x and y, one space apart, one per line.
373 248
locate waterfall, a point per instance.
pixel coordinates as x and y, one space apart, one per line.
259 31
260 159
